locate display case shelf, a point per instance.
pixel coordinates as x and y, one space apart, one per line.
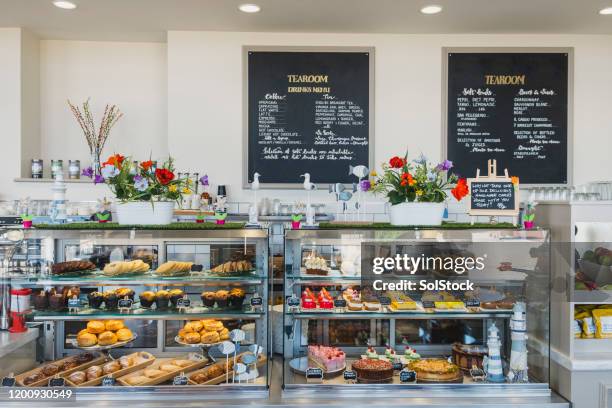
401 315
142 313
140 280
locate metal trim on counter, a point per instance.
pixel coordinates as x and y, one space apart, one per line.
400 315
42 317
127 234
10 342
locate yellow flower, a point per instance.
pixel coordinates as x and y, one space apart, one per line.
419 192
172 188
373 173
186 190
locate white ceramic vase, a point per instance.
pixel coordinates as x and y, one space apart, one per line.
416 214
143 212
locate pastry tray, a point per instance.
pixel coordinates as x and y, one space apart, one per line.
182 343
146 360
220 379
301 364
43 382
197 363
97 347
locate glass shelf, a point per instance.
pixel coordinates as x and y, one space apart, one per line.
145 313
489 314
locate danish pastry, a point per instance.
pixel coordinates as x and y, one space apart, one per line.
124 334
107 338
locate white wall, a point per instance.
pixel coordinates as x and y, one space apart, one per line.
205 95
130 75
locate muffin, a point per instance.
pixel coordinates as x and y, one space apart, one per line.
162 299
57 302
147 298
95 299
110 300
236 298
41 300
175 295
222 298
208 298
125 292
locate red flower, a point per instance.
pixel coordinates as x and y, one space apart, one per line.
164 176
146 165
461 189
115 160
407 179
397 162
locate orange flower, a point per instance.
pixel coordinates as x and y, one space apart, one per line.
461 189
515 180
146 165
407 180
115 160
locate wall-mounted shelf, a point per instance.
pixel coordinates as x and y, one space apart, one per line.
50 180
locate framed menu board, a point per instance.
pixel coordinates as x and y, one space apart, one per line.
512 105
307 110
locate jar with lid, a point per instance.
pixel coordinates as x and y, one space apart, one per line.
37 168
57 168
74 169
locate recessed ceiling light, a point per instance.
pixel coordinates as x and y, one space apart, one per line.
606 11
433 9
249 8
67 5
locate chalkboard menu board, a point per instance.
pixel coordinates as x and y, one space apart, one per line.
492 195
509 106
307 112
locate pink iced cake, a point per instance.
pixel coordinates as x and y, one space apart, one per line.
328 358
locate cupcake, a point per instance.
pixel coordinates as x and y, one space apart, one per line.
222 298
175 295
57 302
125 292
236 298
147 298
110 300
162 299
41 300
208 298
95 299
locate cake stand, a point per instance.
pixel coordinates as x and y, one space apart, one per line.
205 347
301 364
103 349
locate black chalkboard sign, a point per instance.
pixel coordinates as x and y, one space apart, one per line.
512 107
307 112
492 195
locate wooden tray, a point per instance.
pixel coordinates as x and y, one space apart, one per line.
43 383
218 380
166 377
147 360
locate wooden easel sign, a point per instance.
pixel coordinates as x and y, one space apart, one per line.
493 195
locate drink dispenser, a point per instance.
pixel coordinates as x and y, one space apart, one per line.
10 239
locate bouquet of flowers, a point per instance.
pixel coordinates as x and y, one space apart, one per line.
131 181
417 181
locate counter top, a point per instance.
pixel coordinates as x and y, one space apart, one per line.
10 342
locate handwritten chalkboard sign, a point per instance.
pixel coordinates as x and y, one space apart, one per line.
512 107
493 195
307 110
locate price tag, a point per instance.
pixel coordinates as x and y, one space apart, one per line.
472 303
398 366
108 381
428 304
57 382
180 380
183 303
8 381
256 301
293 301
125 303
339 303
74 303
407 376
350 375
314 375
384 300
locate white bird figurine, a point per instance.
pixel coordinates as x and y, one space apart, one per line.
255 183
308 186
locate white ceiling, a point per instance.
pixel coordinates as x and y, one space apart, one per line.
148 20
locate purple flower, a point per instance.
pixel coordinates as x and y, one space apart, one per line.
446 165
140 183
98 179
87 172
204 180
109 171
365 185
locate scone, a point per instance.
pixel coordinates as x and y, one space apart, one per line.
137 380
93 372
95 326
124 334
114 325
87 340
107 338
111 367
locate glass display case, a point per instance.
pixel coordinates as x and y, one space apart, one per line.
477 331
144 312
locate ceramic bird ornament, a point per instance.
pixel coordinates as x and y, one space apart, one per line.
255 183
308 186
